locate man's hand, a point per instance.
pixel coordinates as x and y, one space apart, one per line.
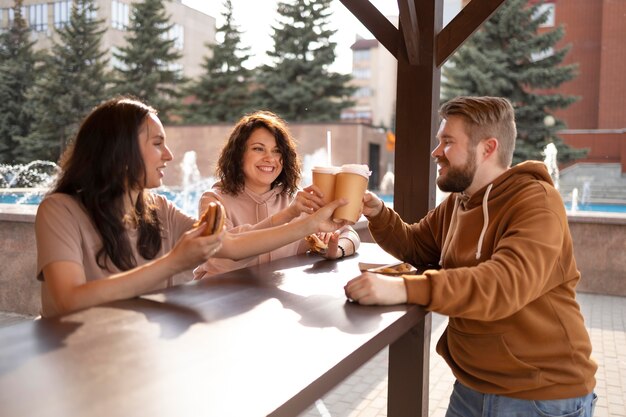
372 205
370 288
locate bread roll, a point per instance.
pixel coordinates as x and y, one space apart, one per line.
214 217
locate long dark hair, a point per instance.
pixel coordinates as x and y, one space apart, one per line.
101 166
230 164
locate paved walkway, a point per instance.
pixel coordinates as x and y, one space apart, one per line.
364 394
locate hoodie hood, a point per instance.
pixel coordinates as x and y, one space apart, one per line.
262 198
521 173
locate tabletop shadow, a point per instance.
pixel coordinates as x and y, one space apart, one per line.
39 337
173 319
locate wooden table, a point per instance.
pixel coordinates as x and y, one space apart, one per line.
265 340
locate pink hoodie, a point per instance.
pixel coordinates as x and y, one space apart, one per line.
251 211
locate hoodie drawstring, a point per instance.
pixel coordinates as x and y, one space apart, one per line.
453 222
485 222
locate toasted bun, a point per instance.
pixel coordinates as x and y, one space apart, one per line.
213 216
220 218
316 244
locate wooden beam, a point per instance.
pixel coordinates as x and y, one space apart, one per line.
410 29
417 103
375 22
462 26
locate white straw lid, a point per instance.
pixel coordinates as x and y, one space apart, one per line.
326 170
359 169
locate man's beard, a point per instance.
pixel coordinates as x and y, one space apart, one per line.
458 179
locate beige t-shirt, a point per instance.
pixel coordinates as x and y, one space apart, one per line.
65 232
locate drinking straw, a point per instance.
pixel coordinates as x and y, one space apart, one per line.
328 147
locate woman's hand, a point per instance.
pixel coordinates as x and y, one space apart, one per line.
192 248
371 288
332 242
307 201
322 219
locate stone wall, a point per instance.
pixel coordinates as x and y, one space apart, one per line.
600 250
19 290
599 244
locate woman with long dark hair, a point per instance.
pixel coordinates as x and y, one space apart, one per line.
102 236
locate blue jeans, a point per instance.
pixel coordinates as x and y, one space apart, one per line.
465 402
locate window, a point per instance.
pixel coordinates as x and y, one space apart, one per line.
38 17
177 34
119 15
538 56
549 9
115 61
175 67
361 55
361 73
363 92
62 13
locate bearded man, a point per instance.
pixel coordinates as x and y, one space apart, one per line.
516 339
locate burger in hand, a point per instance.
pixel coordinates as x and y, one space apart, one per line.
213 216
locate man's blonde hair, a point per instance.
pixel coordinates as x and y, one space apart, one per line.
486 117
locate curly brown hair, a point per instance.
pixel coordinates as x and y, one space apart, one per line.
230 164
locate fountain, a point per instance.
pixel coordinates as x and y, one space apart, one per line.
26 183
550 152
187 196
319 157
387 183
574 208
35 174
586 196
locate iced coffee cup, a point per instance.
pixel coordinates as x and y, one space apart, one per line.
324 179
351 184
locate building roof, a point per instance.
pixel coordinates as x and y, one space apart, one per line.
364 44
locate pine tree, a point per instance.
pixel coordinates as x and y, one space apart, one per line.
508 57
149 68
73 82
299 86
222 92
18 62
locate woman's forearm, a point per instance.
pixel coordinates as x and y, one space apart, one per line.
351 237
69 291
255 242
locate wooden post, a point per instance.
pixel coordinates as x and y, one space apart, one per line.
417 102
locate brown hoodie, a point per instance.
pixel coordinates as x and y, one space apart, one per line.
507 284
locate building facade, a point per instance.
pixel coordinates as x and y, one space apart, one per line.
191 29
374 73
596 33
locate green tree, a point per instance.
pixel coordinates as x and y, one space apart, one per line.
18 62
73 82
148 65
300 86
509 57
222 93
